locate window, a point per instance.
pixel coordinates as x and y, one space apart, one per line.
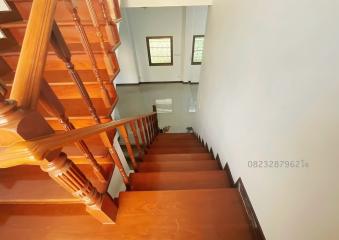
160 50
197 49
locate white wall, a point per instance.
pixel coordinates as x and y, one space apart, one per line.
269 90
180 22
165 3
195 24
129 72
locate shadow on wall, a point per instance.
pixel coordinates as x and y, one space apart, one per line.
178 113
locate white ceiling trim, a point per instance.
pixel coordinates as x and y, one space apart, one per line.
165 3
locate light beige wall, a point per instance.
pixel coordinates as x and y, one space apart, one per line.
269 90
138 99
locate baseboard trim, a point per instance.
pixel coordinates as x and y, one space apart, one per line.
229 174
255 225
256 229
164 82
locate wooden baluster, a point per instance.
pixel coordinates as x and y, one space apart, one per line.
148 138
118 164
26 85
141 131
111 29
156 124
124 135
52 105
114 155
3 90
136 139
87 46
64 54
67 174
107 57
116 9
153 124
151 127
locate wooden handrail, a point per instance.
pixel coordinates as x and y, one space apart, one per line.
87 46
26 85
29 152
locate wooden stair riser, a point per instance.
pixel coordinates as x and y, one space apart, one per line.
178 180
175 166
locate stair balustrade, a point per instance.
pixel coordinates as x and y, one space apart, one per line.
26 136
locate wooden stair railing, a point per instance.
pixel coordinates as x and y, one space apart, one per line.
51 104
87 46
108 54
63 52
27 138
37 149
26 85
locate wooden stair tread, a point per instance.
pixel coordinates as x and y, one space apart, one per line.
177 157
175 144
29 184
61 76
78 108
180 215
162 150
178 166
178 180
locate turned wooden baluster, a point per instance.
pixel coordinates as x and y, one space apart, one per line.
156 127
147 134
62 51
107 53
111 28
124 135
3 90
115 157
141 131
116 9
136 139
28 74
67 174
87 46
52 105
149 118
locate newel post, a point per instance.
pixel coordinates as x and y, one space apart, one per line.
100 205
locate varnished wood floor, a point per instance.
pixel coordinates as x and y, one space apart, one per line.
164 204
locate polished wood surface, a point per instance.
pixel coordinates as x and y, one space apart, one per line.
152 181
169 215
26 85
178 166
178 157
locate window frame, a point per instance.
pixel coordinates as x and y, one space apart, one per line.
149 50
193 45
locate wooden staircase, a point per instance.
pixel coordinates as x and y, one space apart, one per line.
173 195
58 140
